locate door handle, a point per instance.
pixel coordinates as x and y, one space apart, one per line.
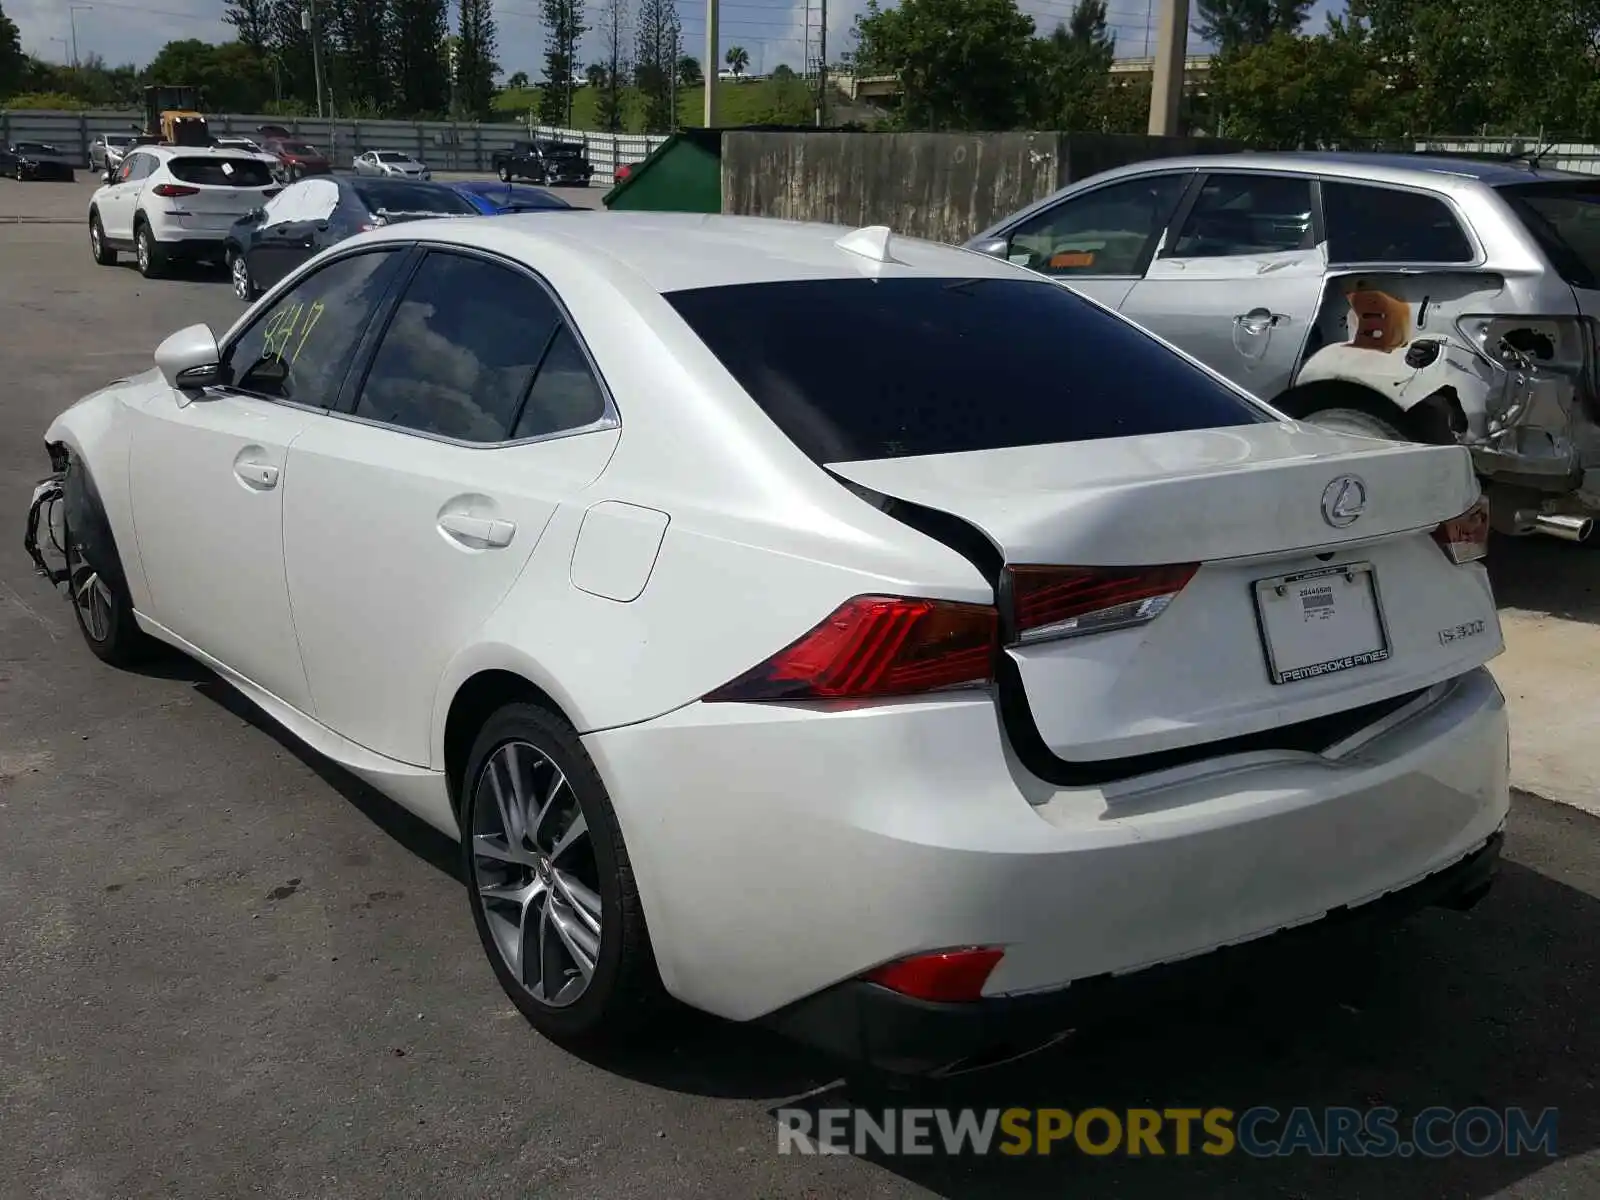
1259 320
257 474
477 531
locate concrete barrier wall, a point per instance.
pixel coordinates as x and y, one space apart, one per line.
443 145
943 186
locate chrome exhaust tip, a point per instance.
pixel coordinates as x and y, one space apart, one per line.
1568 529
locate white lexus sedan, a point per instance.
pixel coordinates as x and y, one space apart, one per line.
858 635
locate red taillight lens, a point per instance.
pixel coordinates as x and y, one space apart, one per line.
174 189
875 646
1059 602
949 976
1465 539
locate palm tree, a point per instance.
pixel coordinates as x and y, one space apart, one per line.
737 58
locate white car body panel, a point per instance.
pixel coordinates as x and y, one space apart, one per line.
842 834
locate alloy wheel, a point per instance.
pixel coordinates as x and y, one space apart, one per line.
94 237
90 596
240 271
535 874
143 250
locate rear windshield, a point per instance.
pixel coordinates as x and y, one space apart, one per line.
222 172
391 156
854 369
400 196
119 139
35 148
561 149
1565 220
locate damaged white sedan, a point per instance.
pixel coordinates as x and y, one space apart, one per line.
1396 296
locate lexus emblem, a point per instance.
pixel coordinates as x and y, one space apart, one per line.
1343 501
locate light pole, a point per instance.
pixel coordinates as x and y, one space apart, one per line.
308 22
1166 88
72 17
63 42
712 13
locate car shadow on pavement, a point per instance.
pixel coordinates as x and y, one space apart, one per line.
1542 575
416 835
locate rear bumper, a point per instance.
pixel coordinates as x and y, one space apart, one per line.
780 850
864 1023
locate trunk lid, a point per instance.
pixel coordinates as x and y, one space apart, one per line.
1370 607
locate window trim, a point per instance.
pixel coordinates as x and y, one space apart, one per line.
361 367
1148 254
1318 230
1464 225
259 313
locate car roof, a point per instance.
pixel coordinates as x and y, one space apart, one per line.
671 252
168 152
1436 170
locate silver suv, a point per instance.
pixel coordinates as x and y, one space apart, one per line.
1404 297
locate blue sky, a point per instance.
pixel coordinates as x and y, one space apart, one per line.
773 31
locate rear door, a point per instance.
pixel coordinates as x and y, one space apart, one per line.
1239 283
116 206
1100 241
284 239
408 520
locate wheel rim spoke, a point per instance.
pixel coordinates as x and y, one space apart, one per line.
535 874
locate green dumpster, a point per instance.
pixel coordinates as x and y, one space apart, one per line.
684 173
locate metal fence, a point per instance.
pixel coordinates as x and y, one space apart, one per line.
443 145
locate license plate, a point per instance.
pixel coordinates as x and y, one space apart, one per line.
1321 622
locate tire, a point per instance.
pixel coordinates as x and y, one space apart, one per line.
622 990
103 254
504 173
1357 421
239 272
152 261
96 586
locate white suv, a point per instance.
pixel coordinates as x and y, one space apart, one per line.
175 202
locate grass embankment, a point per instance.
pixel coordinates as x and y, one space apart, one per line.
747 102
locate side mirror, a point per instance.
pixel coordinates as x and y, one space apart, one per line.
189 359
994 247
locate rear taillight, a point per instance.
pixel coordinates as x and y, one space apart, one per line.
174 189
1061 602
948 976
1465 539
877 646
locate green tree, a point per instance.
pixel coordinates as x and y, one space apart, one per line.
563 25
519 81
613 32
1075 69
12 62
1231 24
783 71
1299 93
421 73
253 20
737 58
963 64
658 47
231 77
289 48
475 65
689 72
356 54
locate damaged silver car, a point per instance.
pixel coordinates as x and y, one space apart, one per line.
1399 296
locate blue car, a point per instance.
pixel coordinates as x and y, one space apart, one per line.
492 197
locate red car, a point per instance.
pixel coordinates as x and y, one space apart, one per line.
296 159
623 171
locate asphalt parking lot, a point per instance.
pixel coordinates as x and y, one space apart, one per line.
228 969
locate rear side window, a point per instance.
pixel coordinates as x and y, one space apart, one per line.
398 196
1247 215
222 172
1564 218
1379 224
478 352
854 369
